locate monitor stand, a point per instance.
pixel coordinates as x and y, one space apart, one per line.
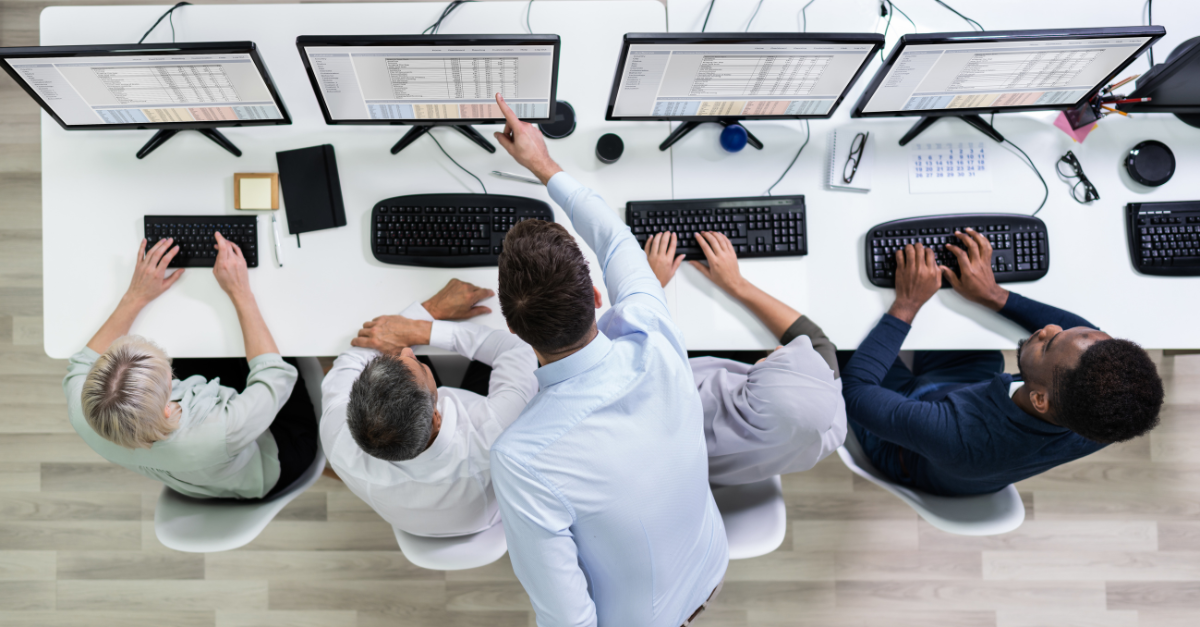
687 127
973 120
416 132
165 134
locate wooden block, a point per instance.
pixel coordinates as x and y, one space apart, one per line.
851 535
868 505
1072 618
852 617
783 566
907 565
775 596
32 389
345 506
94 477
1169 618
1179 536
31 418
129 565
969 595
107 619
161 596
307 565
488 596
288 619
70 535
20 266
1174 447
26 566
369 596
256 191
21 301
1051 535
307 506
1092 565
45 448
1109 477
19 477
1154 595
88 506
22 206
829 475
1146 505
22 596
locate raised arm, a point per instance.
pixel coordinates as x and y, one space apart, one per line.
149 282
231 274
626 272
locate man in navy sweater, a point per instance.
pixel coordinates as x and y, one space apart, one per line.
950 427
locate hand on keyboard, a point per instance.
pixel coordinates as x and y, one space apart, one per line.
660 252
722 267
459 300
149 276
230 268
975 279
918 278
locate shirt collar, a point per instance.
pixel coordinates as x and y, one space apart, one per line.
999 388
574 364
446 433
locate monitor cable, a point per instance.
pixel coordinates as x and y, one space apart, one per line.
432 29
460 167
970 21
883 10
807 136
170 20
753 15
528 10
804 16
708 15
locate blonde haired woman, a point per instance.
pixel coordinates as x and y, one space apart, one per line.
201 438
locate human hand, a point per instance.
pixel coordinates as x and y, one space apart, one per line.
524 142
722 267
918 278
660 252
149 275
977 282
230 269
457 301
392 334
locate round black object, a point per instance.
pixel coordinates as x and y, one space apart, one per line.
563 124
1150 163
609 148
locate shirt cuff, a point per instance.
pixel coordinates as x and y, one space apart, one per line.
267 359
417 311
561 186
896 323
87 356
441 335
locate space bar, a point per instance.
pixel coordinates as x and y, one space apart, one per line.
429 251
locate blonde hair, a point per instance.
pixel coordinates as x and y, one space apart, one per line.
126 392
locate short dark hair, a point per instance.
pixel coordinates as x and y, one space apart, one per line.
545 288
390 414
1113 395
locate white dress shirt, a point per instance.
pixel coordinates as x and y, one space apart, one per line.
603 480
447 489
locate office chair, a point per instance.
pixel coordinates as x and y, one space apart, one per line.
755 517
456 552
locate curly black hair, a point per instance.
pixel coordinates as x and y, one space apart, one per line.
1113 395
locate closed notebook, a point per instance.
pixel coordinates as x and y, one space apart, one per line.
312 191
840 142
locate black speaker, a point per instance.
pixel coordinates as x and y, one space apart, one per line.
1150 163
563 124
609 148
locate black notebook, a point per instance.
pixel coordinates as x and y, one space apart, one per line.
312 192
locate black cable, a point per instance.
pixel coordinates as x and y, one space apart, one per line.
1150 22
897 9
528 10
885 26
433 28
160 19
753 15
807 136
439 145
804 14
707 15
970 21
1030 163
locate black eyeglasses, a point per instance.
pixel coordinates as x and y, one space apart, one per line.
856 153
1083 191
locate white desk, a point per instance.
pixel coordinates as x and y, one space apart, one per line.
94 192
1090 272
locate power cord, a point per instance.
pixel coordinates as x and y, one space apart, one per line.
439 145
1029 162
804 15
432 29
753 15
807 136
883 10
170 20
708 15
970 21
528 10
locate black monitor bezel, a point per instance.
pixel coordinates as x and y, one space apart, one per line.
127 50
1170 68
1153 32
875 39
426 40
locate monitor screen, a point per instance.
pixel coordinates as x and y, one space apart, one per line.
178 88
431 79
965 73
740 76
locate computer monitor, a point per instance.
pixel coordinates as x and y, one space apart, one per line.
965 75
728 77
170 87
1172 87
432 80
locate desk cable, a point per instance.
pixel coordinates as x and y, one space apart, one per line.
883 10
1028 162
708 15
528 10
970 21
460 167
432 29
807 136
170 19
753 15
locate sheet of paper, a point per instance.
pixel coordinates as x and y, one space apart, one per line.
256 193
944 167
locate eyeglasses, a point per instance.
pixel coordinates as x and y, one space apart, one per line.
1083 191
856 153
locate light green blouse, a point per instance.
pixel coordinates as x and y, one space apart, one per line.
223 446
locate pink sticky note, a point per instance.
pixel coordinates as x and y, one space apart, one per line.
1077 134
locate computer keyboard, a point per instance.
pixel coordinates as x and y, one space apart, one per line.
194 236
1164 237
1020 248
448 230
757 226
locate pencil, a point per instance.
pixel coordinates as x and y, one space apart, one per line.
1114 110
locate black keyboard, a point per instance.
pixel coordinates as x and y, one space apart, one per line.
448 230
194 236
757 226
1164 237
1020 248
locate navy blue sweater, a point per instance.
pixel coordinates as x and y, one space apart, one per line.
975 440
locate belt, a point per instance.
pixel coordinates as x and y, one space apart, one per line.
691 619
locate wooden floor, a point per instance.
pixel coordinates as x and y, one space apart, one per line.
1110 541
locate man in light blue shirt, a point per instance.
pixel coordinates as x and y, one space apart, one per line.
603 479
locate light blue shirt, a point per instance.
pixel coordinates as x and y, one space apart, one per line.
603 479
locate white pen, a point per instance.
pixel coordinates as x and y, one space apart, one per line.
278 238
516 177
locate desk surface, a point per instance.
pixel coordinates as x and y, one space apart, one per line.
95 192
1091 273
